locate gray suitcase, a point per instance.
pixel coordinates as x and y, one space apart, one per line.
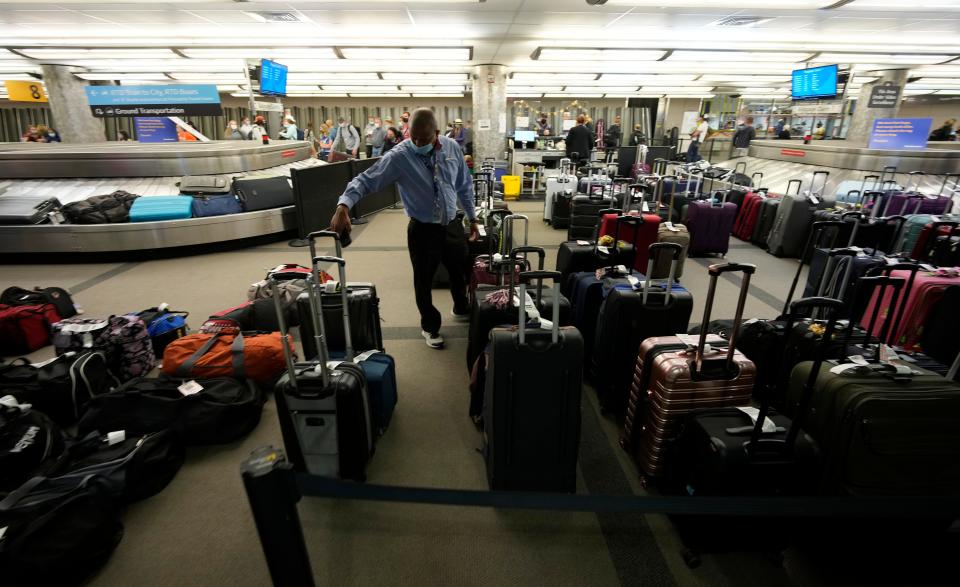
794 216
27 209
204 185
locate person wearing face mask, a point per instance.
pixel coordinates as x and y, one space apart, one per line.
377 138
405 126
368 136
432 179
390 140
543 127
246 130
289 131
233 132
347 139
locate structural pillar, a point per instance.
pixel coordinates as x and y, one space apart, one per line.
489 111
69 106
862 122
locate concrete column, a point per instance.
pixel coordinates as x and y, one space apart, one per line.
489 104
68 105
862 121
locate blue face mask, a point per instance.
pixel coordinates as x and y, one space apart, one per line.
424 150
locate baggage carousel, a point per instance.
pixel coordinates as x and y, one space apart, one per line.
75 172
837 154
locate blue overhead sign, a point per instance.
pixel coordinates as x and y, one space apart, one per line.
900 133
155 130
158 100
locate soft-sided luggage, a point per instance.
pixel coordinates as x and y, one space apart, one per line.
263 193
60 387
27 209
748 213
939 338
210 205
254 316
204 185
671 380
710 224
105 209
325 412
24 329
164 326
794 216
156 208
134 466
31 444
58 531
899 202
914 238
227 353
200 411
531 407
631 313
59 297
123 339
489 269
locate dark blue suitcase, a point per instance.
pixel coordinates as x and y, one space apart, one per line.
213 205
585 300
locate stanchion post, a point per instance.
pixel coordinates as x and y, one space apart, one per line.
272 490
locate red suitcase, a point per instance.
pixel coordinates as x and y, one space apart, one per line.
643 235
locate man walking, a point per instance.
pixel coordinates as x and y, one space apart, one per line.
432 178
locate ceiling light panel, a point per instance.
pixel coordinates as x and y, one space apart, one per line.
426 77
237 78
527 77
780 5
901 59
361 95
573 95
426 89
668 89
753 79
631 78
262 53
597 55
122 76
738 57
71 53
526 90
437 95
340 75
412 53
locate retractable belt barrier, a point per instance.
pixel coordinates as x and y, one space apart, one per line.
274 488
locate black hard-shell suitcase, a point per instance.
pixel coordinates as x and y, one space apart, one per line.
27 209
365 329
326 418
531 408
627 317
204 185
263 193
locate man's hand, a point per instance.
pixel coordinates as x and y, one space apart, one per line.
354 153
474 230
340 223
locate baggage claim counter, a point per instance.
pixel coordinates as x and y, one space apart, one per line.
72 172
838 154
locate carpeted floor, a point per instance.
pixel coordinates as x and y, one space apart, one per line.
199 531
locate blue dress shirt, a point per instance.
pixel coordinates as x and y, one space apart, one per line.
414 176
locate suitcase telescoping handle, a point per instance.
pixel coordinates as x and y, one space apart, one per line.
313 237
675 251
956 183
516 261
555 318
879 285
825 175
916 178
715 272
857 218
286 341
507 230
874 182
889 173
344 297
875 199
893 324
756 179
673 193
817 231
791 183
740 167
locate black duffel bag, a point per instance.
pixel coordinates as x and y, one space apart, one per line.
134 467
61 387
31 445
107 209
222 410
57 531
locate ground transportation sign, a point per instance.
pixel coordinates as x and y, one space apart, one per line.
159 100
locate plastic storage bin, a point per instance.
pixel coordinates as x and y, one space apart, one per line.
511 187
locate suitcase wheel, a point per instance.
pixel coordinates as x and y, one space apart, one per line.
690 558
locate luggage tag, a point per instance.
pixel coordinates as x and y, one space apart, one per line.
603 249
189 388
118 436
634 282
671 227
481 230
583 243
935 219
769 427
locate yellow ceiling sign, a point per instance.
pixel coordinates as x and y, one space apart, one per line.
25 91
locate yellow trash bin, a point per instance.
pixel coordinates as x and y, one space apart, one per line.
511 187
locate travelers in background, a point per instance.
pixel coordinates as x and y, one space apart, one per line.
579 141
310 135
246 130
468 137
543 127
820 131
232 133
332 129
368 136
31 135
326 143
289 131
457 133
945 132
743 136
637 137
260 130
123 136
588 124
377 138
392 138
184 135
697 137
49 135
347 139
777 130
611 139
405 126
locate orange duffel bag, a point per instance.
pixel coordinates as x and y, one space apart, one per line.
229 353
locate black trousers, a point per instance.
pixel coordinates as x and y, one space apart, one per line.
369 151
430 245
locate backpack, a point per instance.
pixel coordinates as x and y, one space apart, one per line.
57 296
60 387
300 134
106 209
199 412
292 282
31 444
24 329
164 326
57 531
123 339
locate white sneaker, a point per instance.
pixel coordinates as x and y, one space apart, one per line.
434 341
465 317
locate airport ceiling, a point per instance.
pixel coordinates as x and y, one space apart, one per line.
565 48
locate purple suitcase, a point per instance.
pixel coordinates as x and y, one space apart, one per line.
899 202
710 226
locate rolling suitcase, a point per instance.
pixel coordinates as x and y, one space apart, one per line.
936 226
584 214
583 255
637 241
204 185
899 202
630 314
28 209
586 298
794 216
669 232
531 407
557 186
747 214
710 224
156 208
263 193
325 413
768 214
671 381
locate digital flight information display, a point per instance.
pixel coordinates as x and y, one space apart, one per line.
273 78
815 82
